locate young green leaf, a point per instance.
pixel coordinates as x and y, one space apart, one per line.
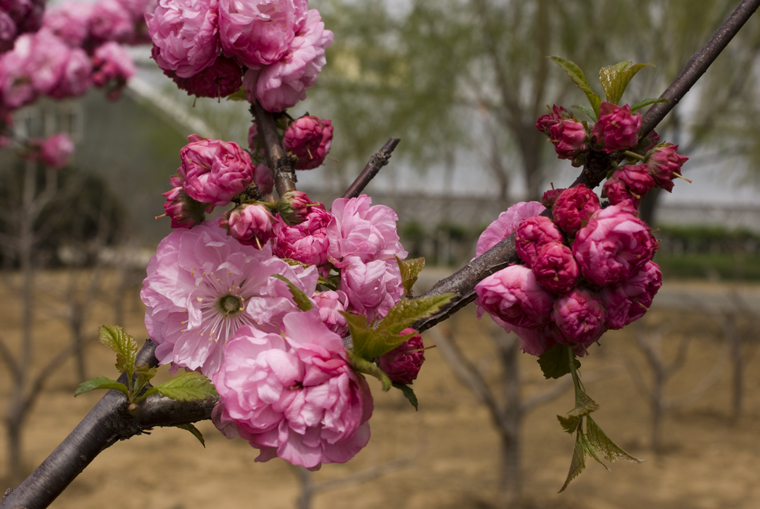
195 431
144 375
123 344
646 102
238 96
553 362
569 424
101 382
576 74
408 394
361 333
584 405
410 269
578 462
369 368
189 386
615 79
602 443
302 301
408 311
591 451
586 111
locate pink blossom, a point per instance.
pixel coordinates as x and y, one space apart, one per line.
617 128
579 315
254 143
514 296
56 150
630 183
26 14
186 35
305 242
532 234
76 78
574 208
214 171
293 397
613 246
550 196
309 139
555 268
220 79
282 84
183 210
111 21
532 341
546 122
259 32
626 302
360 229
663 163
506 224
203 285
112 68
373 287
262 176
403 363
330 304
250 225
653 138
569 138
44 59
7 32
70 21
16 88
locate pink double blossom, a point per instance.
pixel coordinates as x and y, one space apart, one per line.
309 139
574 207
545 122
515 296
26 15
293 396
7 32
373 288
54 151
663 163
112 21
76 78
220 79
251 225
550 196
628 301
532 234
506 224
331 304
306 242
617 128
569 138
403 363
628 184
262 176
294 206
579 316
112 68
555 267
70 21
183 210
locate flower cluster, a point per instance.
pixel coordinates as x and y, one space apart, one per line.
205 45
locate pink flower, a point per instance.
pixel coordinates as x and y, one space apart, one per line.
574 208
293 397
506 223
262 176
628 301
514 296
617 128
663 163
250 225
569 138
214 171
183 210
259 32
403 363
532 234
203 285
76 79
613 246
56 150
630 183
294 207
550 196
330 305
26 14
305 242
309 138
362 230
373 287
282 84
111 21
579 315
220 79
70 21
7 32
555 268
546 122
112 65
16 88
45 61
532 341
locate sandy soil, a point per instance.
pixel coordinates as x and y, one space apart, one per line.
450 442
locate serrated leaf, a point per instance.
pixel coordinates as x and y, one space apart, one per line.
191 386
578 462
302 301
408 394
576 74
591 451
410 269
369 368
408 311
602 443
238 96
144 375
361 333
554 364
586 111
584 405
615 79
101 382
646 102
195 432
569 424
115 338
296 263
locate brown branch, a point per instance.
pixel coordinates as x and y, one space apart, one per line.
10 361
375 164
279 162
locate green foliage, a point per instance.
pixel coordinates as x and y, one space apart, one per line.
577 464
101 382
553 362
302 301
408 394
190 386
123 344
407 311
646 102
576 75
615 79
410 269
604 445
370 368
194 431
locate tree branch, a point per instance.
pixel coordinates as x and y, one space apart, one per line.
10 361
279 162
375 164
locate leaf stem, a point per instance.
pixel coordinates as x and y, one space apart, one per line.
633 155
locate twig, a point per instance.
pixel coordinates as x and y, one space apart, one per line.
279 162
7 356
375 164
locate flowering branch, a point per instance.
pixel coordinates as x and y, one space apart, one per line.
281 165
375 164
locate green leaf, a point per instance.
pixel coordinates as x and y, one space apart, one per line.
602 443
123 344
615 79
189 386
101 382
370 368
553 362
591 451
195 431
410 269
646 102
578 462
576 74
238 96
302 301
569 424
584 405
408 394
586 111
144 375
408 311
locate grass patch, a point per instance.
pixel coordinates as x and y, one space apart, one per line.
725 266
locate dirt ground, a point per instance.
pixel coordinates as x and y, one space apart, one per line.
450 443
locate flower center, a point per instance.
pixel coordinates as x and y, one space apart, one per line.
229 304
